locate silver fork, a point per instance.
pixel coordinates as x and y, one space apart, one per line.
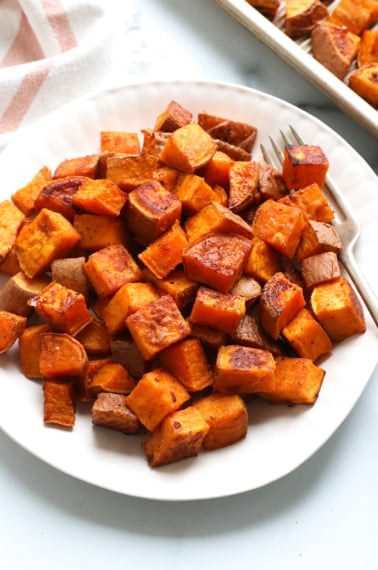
347 226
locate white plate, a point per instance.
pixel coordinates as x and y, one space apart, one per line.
280 438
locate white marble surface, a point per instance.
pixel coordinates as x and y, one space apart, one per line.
322 515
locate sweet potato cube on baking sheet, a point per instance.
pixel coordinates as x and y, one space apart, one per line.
58 196
84 379
194 193
59 403
180 436
101 197
263 261
19 290
312 202
356 15
335 47
157 394
188 148
235 133
79 166
243 370
97 232
317 237
164 254
129 171
95 338
11 220
173 117
69 272
306 335
11 327
112 377
177 284
125 352
217 170
338 309
48 236
302 16
61 355
320 268
25 197
29 346
217 260
128 299
364 82
216 218
279 225
227 417
248 288
111 267
250 333
367 49
280 300
304 165
296 381
187 361
243 185
110 410
214 309
119 142
151 210
156 326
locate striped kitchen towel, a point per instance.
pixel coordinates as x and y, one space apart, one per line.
53 51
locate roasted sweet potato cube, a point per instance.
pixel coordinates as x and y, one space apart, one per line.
156 326
112 377
180 436
335 47
243 370
29 346
217 260
338 309
59 403
78 166
110 410
61 355
97 232
187 361
157 394
312 202
111 267
188 148
25 197
250 333
302 16
280 301
128 299
129 171
367 49
101 197
243 185
194 193
317 237
11 327
125 352
18 290
233 151
271 183
48 236
356 15
221 311
217 170
58 196
216 218
119 142
177 284
173 117
95 338
151 210
227 417
69 272
11 220
267 7
167 177
210 337
263 261
304 165
320 268
84 380
308 338
279 225
153 142
234 133
364 82
164 254
296 381
10 264
64 310
248 288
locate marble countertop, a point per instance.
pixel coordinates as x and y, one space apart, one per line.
324 514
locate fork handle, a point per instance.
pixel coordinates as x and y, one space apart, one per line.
367 295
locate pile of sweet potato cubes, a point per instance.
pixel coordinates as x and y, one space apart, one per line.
168 278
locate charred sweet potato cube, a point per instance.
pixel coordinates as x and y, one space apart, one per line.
243 185
302 16
367 49
320 268
248 288
112 377
280 301
100 196
234 133
304 165
157 394
338 309
78 166
164 254
95 338
59 403
125 352
221 311
227 417
312 202
11 327
128 299
271 183
187 361
194 193
308 338
296 381
111 267
69 272
364 82
250 333
217 260
216 218
61 355
129 171
243 370
11 220
18 290
97 232
173 117
355 15
64 310
110 410
263 261
279 225
25 197
335 47
217 170
85 378
156 326
151 210
317 237
48 236
188 148
180 436
119 142
58 196
176 284
29 346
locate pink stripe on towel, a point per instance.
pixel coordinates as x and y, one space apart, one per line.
25 46
60 24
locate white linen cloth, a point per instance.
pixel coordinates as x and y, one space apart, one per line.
53 51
